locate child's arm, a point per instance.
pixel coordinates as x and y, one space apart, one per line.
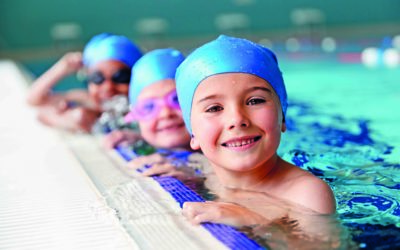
117 137
222 212
291 228
304 224
41 88
72 119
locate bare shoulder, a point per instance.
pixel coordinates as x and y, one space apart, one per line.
311 192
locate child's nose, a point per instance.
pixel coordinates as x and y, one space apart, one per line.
238 118
165 112
108 86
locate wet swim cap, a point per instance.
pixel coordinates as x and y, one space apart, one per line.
106 46
227 55
154 66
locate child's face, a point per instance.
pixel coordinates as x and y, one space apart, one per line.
236 121
166 129
107 79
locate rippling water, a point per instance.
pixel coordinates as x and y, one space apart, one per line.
360 170
342 126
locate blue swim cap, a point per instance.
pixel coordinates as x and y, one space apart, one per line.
227 55
154 66
106 46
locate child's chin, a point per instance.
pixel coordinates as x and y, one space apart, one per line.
172 130
173 142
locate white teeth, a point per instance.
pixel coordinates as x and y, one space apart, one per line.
240 143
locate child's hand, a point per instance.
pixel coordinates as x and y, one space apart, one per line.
169 169
84 118
78 119
70 63
120 137
142 161
221 212
156 164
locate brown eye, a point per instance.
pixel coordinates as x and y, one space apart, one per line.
213 109
255 101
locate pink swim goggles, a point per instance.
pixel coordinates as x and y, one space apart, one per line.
149 108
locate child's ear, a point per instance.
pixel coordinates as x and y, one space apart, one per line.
283 128
194 144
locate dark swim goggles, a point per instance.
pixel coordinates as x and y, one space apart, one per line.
121 76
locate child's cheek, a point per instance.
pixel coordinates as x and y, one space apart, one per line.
148 130
208 128
122 89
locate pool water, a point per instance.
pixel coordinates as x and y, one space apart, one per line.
343 127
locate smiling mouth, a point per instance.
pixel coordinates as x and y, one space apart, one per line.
241 142
172 127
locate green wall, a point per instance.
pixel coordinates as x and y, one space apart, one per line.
26 24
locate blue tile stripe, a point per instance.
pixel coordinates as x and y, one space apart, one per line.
228 235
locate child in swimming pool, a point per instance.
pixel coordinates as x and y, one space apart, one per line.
233 101
154 106
108 59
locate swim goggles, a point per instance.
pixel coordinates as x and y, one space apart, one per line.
121 76
149 108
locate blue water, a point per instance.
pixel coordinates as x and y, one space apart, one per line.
364 181
343 127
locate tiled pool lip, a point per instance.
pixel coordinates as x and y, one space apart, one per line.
228 235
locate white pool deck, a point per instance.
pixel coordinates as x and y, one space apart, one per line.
63 191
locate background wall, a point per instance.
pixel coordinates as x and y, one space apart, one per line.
32 28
